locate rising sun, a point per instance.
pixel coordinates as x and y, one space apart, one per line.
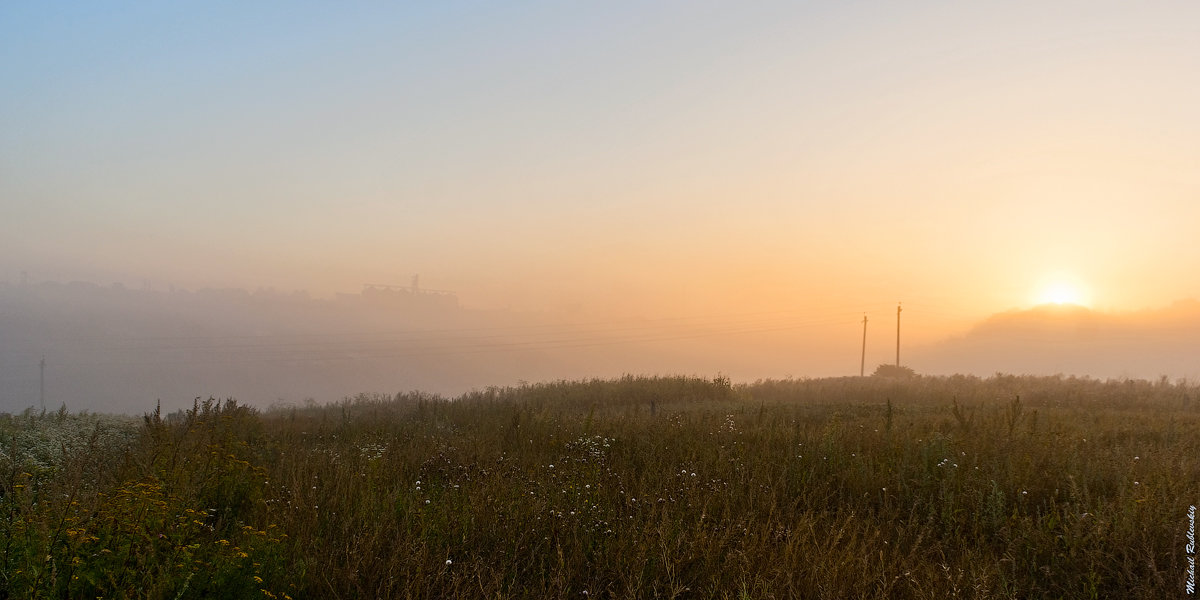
1062 292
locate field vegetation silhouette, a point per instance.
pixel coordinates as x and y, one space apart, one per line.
873 487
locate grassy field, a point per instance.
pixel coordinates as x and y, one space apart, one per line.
1006 487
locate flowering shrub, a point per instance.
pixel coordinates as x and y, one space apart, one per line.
174 524
41 443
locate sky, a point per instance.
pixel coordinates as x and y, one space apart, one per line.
613 159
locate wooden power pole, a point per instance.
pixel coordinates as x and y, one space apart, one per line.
862 366
897 334
42 390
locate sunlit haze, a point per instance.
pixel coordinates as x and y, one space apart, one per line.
770 170
1063 291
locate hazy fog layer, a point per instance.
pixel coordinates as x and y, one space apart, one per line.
120 350
113 348
616 159
683 187
1074 340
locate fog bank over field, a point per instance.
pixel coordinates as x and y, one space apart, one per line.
118 349
1068 339
114 348
646 188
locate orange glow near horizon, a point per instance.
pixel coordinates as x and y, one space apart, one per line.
1063 291
813 158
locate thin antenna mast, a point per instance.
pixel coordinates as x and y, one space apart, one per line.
862 367
897 334
42 367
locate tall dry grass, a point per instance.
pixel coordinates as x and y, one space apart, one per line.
1005 487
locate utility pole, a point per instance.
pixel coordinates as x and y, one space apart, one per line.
897 334
862 367
42 366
